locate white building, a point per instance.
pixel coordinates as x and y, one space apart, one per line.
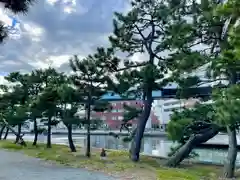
163 108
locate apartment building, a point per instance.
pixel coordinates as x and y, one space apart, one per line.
113 118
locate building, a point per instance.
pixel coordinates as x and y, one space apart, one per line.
113 119
165 107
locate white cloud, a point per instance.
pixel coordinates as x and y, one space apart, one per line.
138 57
35 32
10 62
49 36
52 2
68 6
57 61
53 61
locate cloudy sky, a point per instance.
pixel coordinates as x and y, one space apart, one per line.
54 30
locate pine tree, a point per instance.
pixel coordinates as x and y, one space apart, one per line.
191 127
142 30
20 98
227 65
35 88
91 78
201 40
47 103
227 114
13 113
69 97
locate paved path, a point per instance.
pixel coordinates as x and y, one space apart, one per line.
16 166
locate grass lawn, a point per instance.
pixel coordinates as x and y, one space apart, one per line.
117 163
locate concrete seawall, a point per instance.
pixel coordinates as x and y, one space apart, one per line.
220 140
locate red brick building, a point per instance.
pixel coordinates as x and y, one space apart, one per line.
113 119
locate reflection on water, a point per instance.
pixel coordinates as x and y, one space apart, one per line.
157 146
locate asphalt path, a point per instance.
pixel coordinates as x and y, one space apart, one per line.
17 166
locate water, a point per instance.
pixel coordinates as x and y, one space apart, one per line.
155 146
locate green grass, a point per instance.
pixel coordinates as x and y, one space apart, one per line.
117 163
187 174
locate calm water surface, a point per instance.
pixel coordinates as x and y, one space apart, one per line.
157 146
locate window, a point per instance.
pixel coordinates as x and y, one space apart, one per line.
114 118
120 118
103 118
171 103
120 110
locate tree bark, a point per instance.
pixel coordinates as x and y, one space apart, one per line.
19 127
131 149
6 134
192 142
229 166
141 128
70 140
88 149
1 131
49 144
35 128
15 133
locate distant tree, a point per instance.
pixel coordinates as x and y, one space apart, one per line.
34 113
4 89
19 96
90 78
17 117
35 88
47 102
70 102
12 112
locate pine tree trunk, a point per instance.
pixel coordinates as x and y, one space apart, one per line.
35 128
19 136
88 149
141 128
19 127
184 151
131 149
49 144
70 140
1 131
6 134
229 166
